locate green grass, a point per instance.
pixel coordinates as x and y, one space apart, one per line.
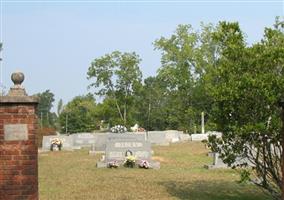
73 175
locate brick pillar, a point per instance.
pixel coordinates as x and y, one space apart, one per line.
18 149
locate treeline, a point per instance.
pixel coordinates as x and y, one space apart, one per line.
199 69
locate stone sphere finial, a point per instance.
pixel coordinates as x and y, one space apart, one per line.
17 77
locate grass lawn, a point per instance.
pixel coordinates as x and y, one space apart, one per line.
73 175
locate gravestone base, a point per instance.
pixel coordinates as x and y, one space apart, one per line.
153 164
219 166
101 164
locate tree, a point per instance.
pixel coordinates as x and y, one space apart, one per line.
186 57
116 76
47 118
246 85
79 115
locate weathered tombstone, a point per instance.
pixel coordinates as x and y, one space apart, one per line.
67 142
83 139
199 137
100 142
184 137
172 136
217 162
18 146
158 138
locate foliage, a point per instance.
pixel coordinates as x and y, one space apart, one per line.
46 117
116 76
246 85
186 57
79 115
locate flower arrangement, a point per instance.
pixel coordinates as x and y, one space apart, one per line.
130 161
144 164
56 142
118 129
113 164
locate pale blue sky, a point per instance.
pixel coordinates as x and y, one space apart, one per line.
53 43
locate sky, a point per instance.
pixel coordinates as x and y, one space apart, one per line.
54 42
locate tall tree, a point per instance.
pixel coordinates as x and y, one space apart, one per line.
246 85
186 57
115 76
79 115
46 100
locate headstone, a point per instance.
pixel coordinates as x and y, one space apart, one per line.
67 142
172 136
100 142
217 162
83 139
184 137
158 138
119 145
199 137
117 148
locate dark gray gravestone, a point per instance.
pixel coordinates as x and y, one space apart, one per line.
101 139
116 149
117 146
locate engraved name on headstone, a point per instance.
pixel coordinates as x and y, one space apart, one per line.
13 132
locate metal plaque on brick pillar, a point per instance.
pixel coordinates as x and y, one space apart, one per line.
14 132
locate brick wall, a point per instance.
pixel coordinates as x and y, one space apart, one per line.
18 158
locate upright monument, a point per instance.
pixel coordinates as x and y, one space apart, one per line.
18 147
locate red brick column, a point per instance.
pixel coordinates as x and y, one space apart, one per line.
18 149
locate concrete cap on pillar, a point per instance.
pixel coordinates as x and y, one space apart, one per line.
17 90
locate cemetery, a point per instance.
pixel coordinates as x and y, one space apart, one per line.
126 100
98 165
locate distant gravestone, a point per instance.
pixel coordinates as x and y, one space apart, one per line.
157 138
199 137
66 140
172 136
217 162
83 139
184 137
100 142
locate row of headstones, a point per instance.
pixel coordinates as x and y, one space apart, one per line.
98 140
